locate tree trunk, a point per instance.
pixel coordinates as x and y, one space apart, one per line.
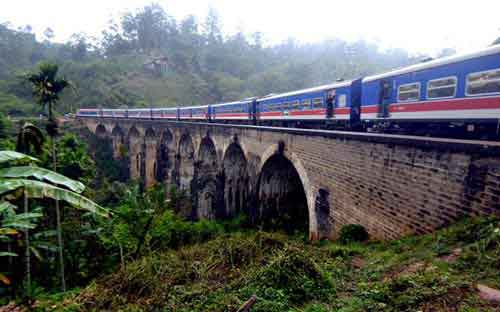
122 260
58 221
245 307
28 254
142 239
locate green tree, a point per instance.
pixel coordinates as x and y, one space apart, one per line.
47 89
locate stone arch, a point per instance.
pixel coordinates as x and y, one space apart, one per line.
100 131
205 186
133 132
241 144
117 131
185 162
165 156
282 201
150 133
235 181
296 163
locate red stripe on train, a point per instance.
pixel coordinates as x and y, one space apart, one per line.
231 115
465 104
338 111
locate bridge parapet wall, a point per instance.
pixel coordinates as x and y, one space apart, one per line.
393 185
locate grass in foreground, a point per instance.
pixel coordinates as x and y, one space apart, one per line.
436 272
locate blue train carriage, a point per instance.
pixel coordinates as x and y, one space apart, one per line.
139 113
239 111
457 95
164 113
87 112
194 113
113 113
337 104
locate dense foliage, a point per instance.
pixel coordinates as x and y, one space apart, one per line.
435 272
203 64
25 186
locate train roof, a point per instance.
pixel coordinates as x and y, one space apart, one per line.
230 103
435 63
197 106
340 84
163 108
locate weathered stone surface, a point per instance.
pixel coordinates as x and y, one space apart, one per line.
488 293
392 185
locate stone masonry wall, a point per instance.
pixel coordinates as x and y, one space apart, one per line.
392 185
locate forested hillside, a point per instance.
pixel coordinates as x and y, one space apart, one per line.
203 64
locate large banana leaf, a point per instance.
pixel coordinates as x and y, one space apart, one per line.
42 174
6 156
38 189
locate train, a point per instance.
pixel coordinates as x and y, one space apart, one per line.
456 96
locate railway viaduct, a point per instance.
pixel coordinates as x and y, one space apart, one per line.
392 185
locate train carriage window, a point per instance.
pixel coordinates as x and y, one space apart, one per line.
486 82
409 92
442 88
342 100
296 105
306 104
317 103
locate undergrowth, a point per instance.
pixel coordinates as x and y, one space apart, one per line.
435 272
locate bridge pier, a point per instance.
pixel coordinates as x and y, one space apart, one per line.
117 137
150 154
135 144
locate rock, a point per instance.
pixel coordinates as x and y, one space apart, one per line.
11 307
358 262
488 293
453 256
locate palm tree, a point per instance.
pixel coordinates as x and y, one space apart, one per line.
47 89
34 182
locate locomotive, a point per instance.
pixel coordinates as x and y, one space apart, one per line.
456 96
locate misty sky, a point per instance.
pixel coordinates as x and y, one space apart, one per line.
423 26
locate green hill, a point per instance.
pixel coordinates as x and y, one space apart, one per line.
201 64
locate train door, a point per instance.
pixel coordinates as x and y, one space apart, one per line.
330 103
385 98
255 111
250 110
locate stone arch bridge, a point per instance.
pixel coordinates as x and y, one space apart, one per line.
392 185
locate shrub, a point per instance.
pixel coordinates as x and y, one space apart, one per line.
294 275
353 233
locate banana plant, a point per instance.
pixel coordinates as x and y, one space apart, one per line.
11 225
42 183
38 183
